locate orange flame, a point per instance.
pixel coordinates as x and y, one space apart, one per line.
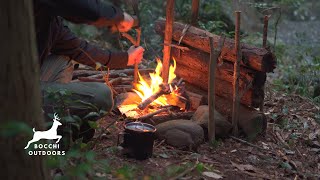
146 89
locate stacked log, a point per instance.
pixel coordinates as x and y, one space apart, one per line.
192 64
259 59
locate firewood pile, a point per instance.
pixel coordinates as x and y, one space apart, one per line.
193 66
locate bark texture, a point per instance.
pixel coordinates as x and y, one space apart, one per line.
197 62
20 91
259 59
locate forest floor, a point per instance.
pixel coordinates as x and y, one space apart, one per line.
290 149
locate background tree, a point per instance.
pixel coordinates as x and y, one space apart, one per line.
20 90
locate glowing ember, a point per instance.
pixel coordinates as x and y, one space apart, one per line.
145 89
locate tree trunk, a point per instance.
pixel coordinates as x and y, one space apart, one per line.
255 58
20 90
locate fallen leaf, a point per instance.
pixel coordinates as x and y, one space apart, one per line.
265 145
250 170
212 175
289 152
163 155
244 167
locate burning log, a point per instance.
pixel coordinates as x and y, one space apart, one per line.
259 59
164 89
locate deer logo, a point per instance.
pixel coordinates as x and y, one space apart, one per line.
49 134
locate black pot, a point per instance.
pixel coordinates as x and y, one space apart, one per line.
138 139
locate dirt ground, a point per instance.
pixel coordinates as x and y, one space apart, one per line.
290 149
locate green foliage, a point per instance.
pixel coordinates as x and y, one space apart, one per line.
216 143
79 162
14 128
300 69
200 167
126 172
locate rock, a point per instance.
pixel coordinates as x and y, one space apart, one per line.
252 123
184 134
127 98
201 117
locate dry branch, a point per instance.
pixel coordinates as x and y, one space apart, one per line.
112 73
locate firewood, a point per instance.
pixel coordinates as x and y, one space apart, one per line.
164 118
164 89
195 100
117 80
199 61
150 115
113 73
89 79
122 88
252 97
259 59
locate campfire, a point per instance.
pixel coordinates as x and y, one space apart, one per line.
155 95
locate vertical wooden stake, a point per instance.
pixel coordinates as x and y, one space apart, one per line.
236 70
136 68
195 12
211 92
265 31
167 40
264 45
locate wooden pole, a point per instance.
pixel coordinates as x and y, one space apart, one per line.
236 74
195 12
211 92
264 45
167 40
265 31
136 68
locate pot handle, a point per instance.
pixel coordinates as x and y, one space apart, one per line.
118 139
